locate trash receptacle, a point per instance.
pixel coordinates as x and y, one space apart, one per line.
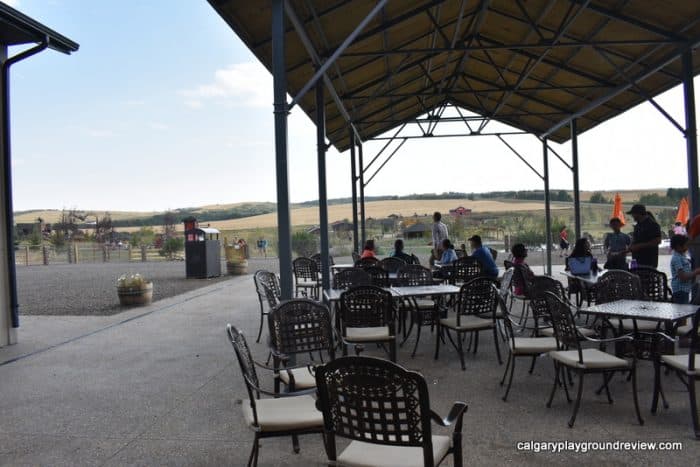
202 250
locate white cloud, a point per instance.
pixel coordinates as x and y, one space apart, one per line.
242 84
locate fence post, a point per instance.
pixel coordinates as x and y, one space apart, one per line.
75 253
45 254
105 254
26 255
70 253
143 253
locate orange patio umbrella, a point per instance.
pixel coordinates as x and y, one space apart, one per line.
617 209
683 212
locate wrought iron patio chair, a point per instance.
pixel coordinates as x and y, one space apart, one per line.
306 277
622 285
355 257
366 262
367 316
686 366
477 304
378 276
572 357
531 347
297 327
384 410
317 257
465 269
351 277
654 284
425 311
286 414
391 264
268 289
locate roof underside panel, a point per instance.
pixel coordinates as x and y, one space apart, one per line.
529 63
17 28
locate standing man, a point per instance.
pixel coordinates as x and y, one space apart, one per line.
645 238
439 235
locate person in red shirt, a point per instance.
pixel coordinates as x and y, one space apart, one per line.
369 250
563 242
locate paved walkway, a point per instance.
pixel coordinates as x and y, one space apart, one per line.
160 386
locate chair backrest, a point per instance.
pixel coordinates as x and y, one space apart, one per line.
506 282
460 253
618 285
317 257
301 325
694 341
478 297
366 262
414 259
366 306
563 323
507 264
654 283
355 257
522 277
415 274
350 278
267 285
305 268
494 253
245 360
378 276
464 269
374 401
507 324
391 264
539 286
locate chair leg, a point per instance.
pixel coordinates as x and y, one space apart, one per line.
578 400
295 443
461 351
253 458
392 351
532 365
607 388
634 395
410 328
476 341
415 347
262 318
564 372
693 406
510 379
498 349
503 380
438 337
554 386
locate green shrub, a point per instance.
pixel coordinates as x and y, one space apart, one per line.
171 246
304 243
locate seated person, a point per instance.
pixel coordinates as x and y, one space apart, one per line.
519 252
398 252
448 257
369 250
582 250
480 252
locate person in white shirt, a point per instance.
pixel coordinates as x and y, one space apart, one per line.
439 235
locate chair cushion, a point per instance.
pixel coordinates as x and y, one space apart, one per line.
549 332
642 325
467 323
284 413
532 345
680 362
425 304
371 334
361 454
592 358
303 379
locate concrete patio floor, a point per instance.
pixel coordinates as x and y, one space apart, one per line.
160 386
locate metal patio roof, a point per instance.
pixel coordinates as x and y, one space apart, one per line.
532 64
17 28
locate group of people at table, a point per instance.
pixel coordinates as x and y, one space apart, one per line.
642 245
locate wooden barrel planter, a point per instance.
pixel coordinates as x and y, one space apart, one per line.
132 296
237 268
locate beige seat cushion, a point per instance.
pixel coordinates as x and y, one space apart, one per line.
467 323
592 358
284 413
532 345
425 304
361 454
307 283
303 379
368 334
549 332
642 325
680 362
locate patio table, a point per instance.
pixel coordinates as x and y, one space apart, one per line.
640 309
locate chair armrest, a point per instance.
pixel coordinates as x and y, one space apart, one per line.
520 326
454 417
664 336
257 388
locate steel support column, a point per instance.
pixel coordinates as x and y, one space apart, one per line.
322 194
574 170
547 207
362 194
279 80
353 176
691 133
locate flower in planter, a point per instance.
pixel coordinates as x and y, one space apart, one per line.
132 281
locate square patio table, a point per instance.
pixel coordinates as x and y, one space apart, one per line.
425 290
333 295
644 310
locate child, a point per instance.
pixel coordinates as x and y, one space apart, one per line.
519 252
369 250
582 250
616 244
682 276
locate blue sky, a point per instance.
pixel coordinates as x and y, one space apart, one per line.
164 107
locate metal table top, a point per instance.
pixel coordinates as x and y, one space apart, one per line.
652 311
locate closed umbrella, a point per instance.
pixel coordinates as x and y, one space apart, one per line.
683 212
617 209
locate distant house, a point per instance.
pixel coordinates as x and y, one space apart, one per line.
418 230
460 212
315 230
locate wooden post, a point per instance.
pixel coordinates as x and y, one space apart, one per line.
45 254
70 253
75 253
26 255
105 254
144 254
